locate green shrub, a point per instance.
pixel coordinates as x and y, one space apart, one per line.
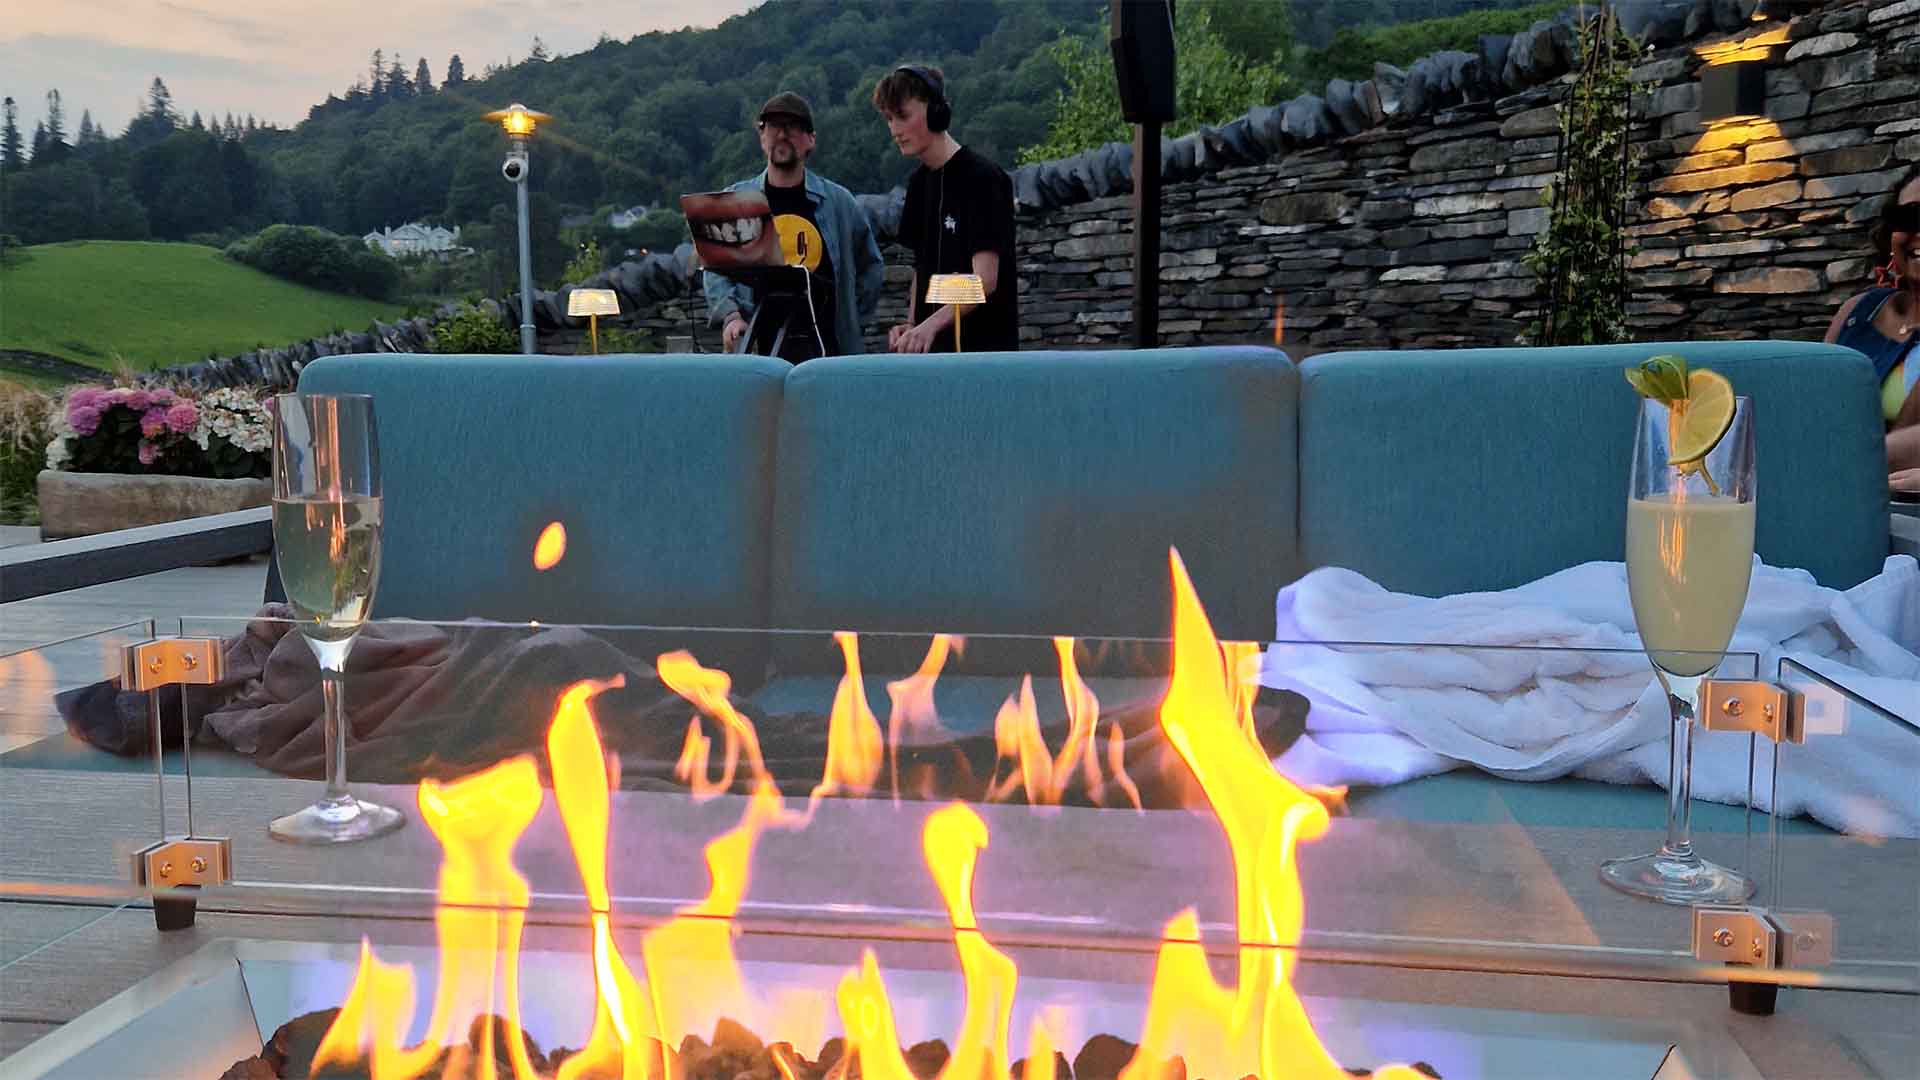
616 339
584 265
26 418
472 330
316 257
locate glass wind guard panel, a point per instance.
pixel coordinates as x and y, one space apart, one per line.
1843 896
1461 868
74 813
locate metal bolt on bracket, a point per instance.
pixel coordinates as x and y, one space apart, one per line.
1723 937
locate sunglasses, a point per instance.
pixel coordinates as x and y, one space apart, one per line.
1902 217
789 127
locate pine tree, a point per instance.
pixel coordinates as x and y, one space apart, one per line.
456 72
39 139
377 75
88 134
160 103
56 118
422 78
11 145
399 87
539 50
196 123
251 125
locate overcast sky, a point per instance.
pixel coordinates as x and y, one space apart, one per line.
275 58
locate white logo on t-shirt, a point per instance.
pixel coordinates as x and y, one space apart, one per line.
951 224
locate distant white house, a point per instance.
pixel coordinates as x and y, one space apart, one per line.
628 218
414 238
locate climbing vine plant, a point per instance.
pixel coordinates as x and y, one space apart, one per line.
1581 257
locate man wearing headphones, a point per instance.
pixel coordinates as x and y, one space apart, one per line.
958 219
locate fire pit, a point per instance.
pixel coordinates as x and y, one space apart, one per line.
222 1004
559 952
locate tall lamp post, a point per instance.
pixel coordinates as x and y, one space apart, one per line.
519 122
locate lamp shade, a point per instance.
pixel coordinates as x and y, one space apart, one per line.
956 289
518 119
593 302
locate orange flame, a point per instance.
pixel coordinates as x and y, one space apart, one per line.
1083 724
621 1023
1117 764
867 1014
1279 324
372 1021
693 977
854 742
707 688
483 901
551 547
952 841
1040 1064
1016 737
1259 1027
1243 684
913 708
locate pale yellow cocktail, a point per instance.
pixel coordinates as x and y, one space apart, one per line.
1689 560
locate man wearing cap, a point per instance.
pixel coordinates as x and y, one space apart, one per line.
821 227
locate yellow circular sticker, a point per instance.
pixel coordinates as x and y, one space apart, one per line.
799 241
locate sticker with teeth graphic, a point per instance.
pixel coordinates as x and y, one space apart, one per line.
732 229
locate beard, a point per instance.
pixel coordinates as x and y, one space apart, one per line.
783 155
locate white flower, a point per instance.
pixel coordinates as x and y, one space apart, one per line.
57 453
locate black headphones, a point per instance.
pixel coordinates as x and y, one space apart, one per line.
939 112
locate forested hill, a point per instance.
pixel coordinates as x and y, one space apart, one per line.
636 122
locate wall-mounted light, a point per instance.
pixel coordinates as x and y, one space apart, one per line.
1737 88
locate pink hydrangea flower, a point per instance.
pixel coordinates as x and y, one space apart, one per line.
162 396
181 417
148 452
139 400
87 397
85 420
153 422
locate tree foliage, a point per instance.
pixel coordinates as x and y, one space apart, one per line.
1213 83
319 258
1355 48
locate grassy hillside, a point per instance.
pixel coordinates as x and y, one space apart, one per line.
98 302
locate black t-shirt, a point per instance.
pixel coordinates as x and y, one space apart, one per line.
802 244
951 212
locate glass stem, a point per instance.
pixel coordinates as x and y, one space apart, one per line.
333 673
1683 700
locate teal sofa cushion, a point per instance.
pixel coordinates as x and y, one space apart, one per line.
1035 492
1438 472
658 466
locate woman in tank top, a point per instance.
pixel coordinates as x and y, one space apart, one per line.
1883 323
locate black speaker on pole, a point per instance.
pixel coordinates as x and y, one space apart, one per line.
1142 43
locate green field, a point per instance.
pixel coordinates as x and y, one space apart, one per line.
101 303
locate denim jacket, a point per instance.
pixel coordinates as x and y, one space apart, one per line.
858 271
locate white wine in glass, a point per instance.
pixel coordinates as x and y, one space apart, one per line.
1689 561
326 543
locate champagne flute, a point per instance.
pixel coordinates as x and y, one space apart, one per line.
1689 562
326 543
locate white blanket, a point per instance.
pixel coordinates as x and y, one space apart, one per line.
1517 697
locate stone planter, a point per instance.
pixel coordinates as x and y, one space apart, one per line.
81 504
